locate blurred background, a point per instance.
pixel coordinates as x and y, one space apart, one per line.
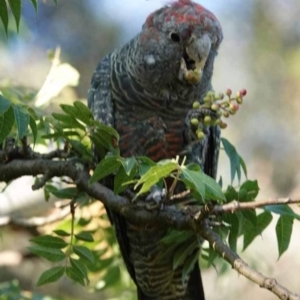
260 52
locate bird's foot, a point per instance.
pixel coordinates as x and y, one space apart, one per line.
157 197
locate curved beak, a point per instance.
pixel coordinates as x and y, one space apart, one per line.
194 58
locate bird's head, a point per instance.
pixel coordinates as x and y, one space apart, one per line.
176 44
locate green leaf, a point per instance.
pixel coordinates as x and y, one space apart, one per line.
282 210
284 228
33 127
182 253
69 121
55 1
252 188
4 14
194 180
67 193
80 267
34 2
154 175
4 103
79 111
233 156
75 275
176 236
107 166
61 232
251 232
49 241
84 253
231 194
22 120
84 236
128 164
15 6
193 174
121 180
51 254
233 220
51 275
6 123
81 149
244 167
250 215
189 265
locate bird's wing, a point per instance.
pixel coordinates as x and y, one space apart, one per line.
101 103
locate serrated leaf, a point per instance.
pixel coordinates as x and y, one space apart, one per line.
51 254
22 120
15 6
51 275
6 123
4 14
49 241
33 127
251 232
61 232
154 175
284 228
282 210
85 236
75 275
84 253
80 267
233 156
189 265
4 103
107 166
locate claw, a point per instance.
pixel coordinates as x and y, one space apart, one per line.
157 194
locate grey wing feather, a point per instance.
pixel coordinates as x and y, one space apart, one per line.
99 94
101 104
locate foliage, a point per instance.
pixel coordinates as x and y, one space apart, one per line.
74 251
15 7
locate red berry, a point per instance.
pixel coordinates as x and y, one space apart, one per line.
228 92
243 92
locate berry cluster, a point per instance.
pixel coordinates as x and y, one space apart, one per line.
215 107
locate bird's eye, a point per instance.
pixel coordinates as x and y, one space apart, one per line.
174 37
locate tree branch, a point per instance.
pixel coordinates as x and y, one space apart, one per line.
188 218
242 267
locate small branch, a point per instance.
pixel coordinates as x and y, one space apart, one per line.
235 206
242 267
